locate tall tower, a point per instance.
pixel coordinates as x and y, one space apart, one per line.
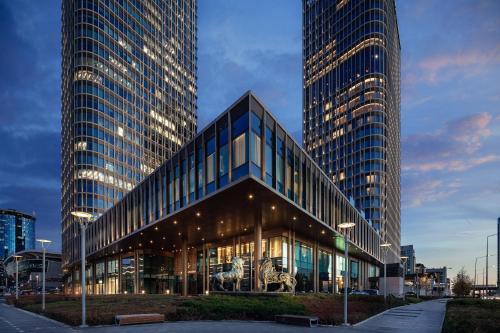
351 104
128 99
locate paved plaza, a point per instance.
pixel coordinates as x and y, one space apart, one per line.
425 317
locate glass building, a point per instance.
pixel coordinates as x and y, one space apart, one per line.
409 252
17 232
351 104
242 187
128 99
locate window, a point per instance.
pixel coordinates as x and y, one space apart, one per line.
280 164
255 149
112 277
210 168
269 156
239 151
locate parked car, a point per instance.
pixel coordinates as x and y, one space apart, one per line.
359 292
372 292
410 294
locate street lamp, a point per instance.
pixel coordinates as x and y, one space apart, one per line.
404 259
346 227
487 248
44 243
475 274
84 220
385 247
17 258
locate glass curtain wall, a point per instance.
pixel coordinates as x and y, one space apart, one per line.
304 267
325 272
128 275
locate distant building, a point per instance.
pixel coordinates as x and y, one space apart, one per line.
439 276
17 232
419 268
30 270
408 251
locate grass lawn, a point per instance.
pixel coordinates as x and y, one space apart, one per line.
472 316
101 310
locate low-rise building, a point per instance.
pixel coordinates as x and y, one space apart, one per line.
242 196
30 270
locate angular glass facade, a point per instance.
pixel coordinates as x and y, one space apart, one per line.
128 98
351 110
17 232
241 184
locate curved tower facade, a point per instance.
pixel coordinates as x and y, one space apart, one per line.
351 104
128 99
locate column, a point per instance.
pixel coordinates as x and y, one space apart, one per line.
204 270
315 266
257 250
292 244
184 268
289 251
334 270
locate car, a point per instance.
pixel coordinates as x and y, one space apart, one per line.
372 292
410 294
359 292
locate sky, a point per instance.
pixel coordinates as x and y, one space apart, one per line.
450 108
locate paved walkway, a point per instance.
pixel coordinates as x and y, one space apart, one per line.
425 317
13 320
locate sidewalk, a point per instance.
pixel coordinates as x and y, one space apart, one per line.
424 317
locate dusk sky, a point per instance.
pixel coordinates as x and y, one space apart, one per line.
450 108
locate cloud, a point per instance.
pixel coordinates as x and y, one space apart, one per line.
448 66
451 165
454 147
417 192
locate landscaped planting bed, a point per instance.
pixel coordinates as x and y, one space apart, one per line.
101 310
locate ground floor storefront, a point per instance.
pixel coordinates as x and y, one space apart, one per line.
190 268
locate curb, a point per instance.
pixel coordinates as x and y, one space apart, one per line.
41 317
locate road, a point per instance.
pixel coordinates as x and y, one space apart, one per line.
425 317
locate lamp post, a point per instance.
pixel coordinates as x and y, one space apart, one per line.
475 274
487 248
84 220
346 227
17 258
404 259
385 247
44 243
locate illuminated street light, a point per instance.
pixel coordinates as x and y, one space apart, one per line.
45 243
385 247
17 258
84 219
346 226
404 259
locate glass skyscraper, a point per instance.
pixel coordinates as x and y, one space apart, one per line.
351 104
128 99
17 232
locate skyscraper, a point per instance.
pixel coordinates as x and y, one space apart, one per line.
128 98
351 104
17 232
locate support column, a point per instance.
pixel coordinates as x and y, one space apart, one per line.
204 270
292 243
289 251
257 250
334 270
184 268
315 266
